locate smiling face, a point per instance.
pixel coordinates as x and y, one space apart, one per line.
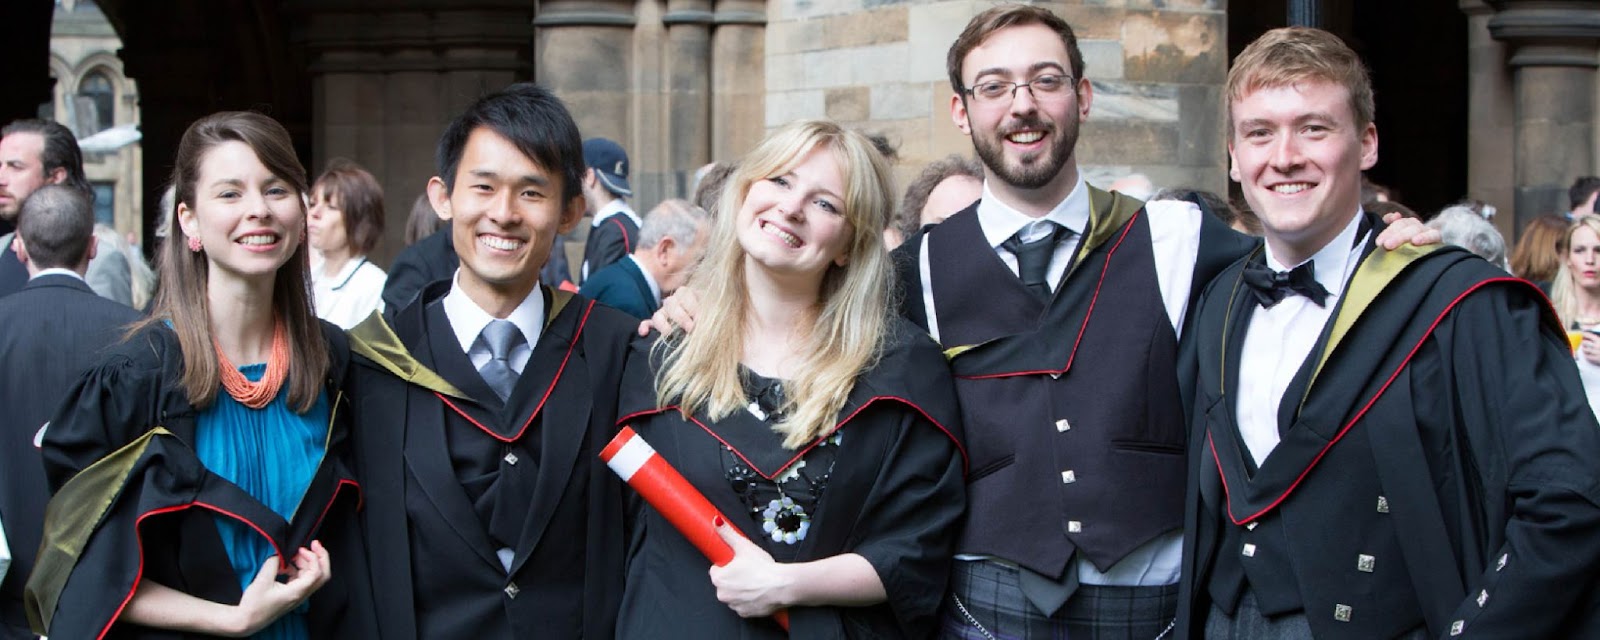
1583 257
1298 153
248 220
325 226
504 212
1026 140
793 223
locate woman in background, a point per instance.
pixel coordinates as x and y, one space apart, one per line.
1576 295
1541 250
346 223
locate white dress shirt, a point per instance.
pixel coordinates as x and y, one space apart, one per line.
615 207
56 271
1175 243
655 287
1280 338
350 296
468 319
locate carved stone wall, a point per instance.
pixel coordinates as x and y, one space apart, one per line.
880 66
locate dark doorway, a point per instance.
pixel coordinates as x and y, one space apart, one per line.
1417 54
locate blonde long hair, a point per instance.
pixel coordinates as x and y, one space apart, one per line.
701 370
1563 292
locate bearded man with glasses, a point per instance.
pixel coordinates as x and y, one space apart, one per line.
1061 307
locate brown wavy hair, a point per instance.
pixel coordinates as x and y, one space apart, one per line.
359 199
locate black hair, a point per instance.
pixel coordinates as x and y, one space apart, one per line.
56 224
60 151
1580 191
530 117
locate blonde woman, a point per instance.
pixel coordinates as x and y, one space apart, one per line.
1576 294
821 425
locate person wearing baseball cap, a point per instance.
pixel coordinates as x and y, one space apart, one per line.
615 227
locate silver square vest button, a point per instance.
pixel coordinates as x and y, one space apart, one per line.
1341 612
1366 563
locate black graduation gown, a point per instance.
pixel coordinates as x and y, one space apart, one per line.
1439 418
133 501
895 496
434 569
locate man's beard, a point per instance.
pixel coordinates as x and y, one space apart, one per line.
1036 174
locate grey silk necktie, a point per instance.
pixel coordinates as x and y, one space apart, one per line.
501 336
1033 259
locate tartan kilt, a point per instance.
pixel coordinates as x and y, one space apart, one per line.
990 594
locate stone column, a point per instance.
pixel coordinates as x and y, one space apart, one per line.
1554 47
584 53
688 97
1305 13
386 82
738 78
1490 114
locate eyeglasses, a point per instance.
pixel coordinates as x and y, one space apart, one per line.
1044 87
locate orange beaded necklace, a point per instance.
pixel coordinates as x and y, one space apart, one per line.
257 394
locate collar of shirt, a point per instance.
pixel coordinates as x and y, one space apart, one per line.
1000 222
1332 263
468 319
655 287
57 271
339 280
615 207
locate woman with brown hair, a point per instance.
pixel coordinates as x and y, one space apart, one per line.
198 464
345 224
1540 250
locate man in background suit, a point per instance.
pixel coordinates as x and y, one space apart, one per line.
56 328
671 241
34 153
430 259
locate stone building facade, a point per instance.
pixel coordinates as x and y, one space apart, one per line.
1156 68
100 104
1493 99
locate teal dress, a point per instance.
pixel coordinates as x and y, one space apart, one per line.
271 453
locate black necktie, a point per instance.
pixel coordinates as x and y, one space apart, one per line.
1271 287
1033 259
501 336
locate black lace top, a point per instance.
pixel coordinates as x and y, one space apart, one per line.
783 505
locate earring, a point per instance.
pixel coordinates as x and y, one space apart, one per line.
194 244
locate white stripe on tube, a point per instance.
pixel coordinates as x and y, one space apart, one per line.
631 457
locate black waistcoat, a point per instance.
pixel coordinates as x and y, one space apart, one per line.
1311 530
1075 427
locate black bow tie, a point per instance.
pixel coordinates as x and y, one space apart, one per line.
1271 286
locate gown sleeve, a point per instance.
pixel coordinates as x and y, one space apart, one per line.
112 404
909 520
1534 445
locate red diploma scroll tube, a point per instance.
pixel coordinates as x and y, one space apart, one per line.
671 494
